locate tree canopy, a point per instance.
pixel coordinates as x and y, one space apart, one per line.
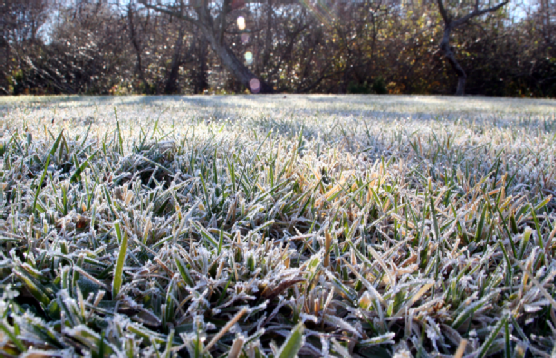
296 46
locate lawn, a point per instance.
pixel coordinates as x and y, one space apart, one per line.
269 226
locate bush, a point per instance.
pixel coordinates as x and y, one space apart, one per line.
377 87
358 88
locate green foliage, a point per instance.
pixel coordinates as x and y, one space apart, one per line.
16 82
377 87
355 88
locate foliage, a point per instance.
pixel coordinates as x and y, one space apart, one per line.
377 87
342 48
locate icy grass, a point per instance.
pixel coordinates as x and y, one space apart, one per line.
274 226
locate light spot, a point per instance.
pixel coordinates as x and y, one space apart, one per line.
249 57
255 85
241 23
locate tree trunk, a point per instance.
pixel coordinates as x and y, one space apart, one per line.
5 67
214 35
449 55
268 36
199 72
172 80
235 66
460 91
137 47
450 24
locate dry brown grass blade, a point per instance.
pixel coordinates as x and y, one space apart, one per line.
328 242
225 329
272 293
461 349
235 351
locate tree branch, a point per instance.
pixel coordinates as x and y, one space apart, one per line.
222 19
169 12
443 12
477 12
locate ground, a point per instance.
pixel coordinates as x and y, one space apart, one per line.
277 225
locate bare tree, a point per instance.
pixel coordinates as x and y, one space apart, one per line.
88 50
451 23
211 19
546 20
20 22
137 46
171 86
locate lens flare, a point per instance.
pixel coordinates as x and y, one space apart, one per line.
244 38
241 23
255 85
249 57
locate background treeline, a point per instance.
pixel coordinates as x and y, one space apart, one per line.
354 46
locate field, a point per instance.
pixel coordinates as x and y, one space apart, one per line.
253 226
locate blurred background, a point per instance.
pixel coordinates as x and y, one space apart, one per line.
109 47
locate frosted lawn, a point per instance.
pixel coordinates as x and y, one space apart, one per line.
269 226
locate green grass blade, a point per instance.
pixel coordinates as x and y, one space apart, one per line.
184 272
491 337
39 187
119 270
293 344
15 340
77 174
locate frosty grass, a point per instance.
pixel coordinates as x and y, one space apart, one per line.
253 226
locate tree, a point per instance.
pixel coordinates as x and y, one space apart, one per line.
160 46
88 50
211 19
20 22
451 23
137 47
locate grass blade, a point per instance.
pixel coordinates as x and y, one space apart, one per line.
293 344
119 270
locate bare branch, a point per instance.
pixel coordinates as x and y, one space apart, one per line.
222 19
478 12
443 12
169 12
